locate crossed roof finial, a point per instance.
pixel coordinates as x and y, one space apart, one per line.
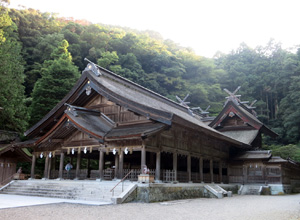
233 97
182 101
203 113
236 99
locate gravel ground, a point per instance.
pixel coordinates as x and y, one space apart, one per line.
237 207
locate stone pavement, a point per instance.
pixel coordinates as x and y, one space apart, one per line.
13 201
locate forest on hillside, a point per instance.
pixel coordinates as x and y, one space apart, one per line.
42 56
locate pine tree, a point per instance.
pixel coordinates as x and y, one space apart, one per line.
58 77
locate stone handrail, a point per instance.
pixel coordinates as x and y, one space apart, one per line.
7 180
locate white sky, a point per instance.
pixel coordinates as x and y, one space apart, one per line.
207 26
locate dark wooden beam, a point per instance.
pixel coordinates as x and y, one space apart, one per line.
82 143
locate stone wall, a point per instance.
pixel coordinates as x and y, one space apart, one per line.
167 192
279 189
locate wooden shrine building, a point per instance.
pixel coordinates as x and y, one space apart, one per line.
238 120
124 126
10 155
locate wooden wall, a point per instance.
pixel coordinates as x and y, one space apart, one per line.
8 167
188 141
116 113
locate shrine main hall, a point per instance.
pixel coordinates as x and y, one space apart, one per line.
108 126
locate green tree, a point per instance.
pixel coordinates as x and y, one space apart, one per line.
13 116
41 52
58 77
5 20
107 59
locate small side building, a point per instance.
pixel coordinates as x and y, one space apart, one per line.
10 155
255 166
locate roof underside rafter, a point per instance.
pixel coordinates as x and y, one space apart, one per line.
97 126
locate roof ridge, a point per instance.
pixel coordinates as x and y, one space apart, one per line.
181 107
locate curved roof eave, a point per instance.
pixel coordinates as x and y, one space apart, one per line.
162 109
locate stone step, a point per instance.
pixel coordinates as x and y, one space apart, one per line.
251 190
216 188
61 192
69 195
67 187
41 195
79 190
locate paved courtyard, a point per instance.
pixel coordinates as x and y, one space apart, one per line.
238 207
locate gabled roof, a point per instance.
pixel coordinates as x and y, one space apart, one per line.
243 113
96 125
254 155
22 153
129 95
245 136
276 159
265 155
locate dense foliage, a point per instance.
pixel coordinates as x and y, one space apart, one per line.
58 76
53 50
14 114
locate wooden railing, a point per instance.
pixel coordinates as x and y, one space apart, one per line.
206 177
182 176
72 174
108 174
273 179
169 176
165 175
133 174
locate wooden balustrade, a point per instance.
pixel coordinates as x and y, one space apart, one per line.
168 176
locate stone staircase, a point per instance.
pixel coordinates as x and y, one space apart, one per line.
250 190
65 189
218 191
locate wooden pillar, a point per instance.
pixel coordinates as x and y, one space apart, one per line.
78 164
88 163
211 167
116 165
220 171
53 167
245 174
143 158
33 166
121 162
175 165
49 167
46 166
61 165
189 168
101 164
201 169
264 174
281 173
157 168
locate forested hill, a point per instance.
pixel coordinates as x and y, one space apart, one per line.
42 56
